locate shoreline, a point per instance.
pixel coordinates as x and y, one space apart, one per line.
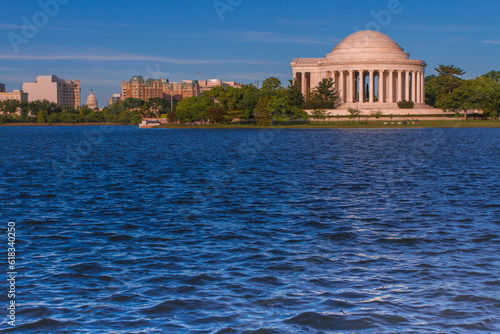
64 124
374 125
312 125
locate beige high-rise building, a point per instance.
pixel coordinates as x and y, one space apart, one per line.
182 90
142 89
65 93
138 88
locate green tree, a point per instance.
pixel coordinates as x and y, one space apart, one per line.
377 114
262 112
248 101
437 88
279 106
294 93
482 93
271 84
494 75
53 118
319 114
326 91
95 117
322 97
234 96
449 70
11 106
228 97
133 103
406 104
66 117
234 114
194 108
216 115
299 113
34 107
158 106
172 116
41 116
353 113
81 116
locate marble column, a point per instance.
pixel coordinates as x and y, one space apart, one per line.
419 87
414 86
381 88
350 85
341 90
391 86
335 80
371 84
407 85
303 83
400 86
361 86
422 82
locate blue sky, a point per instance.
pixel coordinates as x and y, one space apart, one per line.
104 42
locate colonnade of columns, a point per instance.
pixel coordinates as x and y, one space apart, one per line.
370 86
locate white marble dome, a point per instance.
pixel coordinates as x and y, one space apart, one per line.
368 39
367 45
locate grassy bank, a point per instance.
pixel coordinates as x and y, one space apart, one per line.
344 125
60 124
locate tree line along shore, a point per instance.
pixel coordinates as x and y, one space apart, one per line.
271 104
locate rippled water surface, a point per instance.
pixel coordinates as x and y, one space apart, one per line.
122 230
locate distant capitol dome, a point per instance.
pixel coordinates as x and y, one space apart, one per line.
92 101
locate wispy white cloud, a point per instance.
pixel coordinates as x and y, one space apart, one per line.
453 40
18 28
18 79
256 76
268 37
11 69
447 28
6 26
128 57
492 42
103 24
303 23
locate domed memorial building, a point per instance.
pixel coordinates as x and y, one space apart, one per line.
370 72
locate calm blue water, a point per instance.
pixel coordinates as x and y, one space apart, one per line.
122 230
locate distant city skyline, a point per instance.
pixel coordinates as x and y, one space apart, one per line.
104 43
